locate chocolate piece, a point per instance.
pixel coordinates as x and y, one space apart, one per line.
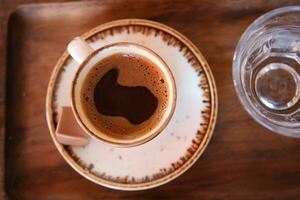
68 131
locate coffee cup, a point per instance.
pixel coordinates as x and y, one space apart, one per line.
122 94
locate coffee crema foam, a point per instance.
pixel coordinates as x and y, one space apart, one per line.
142 79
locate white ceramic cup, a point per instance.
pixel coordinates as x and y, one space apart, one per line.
87 57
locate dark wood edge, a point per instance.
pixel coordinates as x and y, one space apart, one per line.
7 10
4 15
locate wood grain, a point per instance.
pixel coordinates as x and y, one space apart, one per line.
243 159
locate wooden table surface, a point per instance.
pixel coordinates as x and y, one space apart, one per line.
242 161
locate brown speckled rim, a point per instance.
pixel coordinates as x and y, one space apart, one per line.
210 117
124 143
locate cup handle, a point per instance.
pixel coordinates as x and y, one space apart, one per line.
79 49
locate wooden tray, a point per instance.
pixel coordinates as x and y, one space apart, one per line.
242 161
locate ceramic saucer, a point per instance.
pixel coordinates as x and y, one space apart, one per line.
183 140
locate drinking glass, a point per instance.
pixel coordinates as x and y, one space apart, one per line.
266 70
